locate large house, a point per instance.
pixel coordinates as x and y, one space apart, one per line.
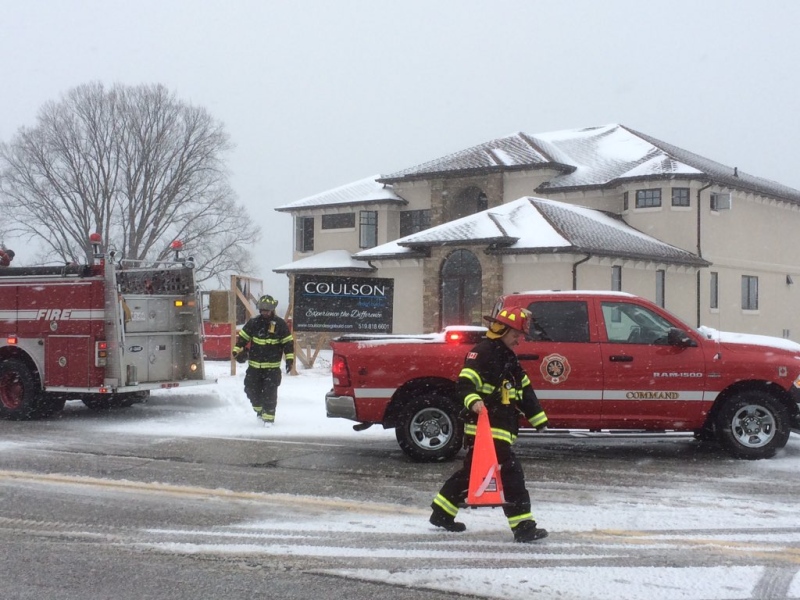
603 208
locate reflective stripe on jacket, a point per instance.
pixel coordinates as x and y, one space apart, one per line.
492 373
269 339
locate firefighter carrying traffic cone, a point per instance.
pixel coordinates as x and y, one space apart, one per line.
493 380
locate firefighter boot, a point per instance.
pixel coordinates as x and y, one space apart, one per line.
442 519
527 532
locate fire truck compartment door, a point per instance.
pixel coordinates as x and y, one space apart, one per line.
151 313
152 355
67 360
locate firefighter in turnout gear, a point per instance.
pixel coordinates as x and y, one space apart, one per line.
269 338
493 380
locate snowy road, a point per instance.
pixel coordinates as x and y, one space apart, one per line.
631 519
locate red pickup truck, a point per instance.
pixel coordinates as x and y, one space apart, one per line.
597 360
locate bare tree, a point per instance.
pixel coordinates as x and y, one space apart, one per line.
134 164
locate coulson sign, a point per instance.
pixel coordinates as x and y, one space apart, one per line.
343 304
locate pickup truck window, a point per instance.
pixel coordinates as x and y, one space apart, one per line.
633 324
560 321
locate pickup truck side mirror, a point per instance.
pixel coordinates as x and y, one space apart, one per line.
678 337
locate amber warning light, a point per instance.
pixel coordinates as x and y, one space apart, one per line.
11 341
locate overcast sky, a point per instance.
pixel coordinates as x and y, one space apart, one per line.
319 93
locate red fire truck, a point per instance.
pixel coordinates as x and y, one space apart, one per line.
105 333
598 361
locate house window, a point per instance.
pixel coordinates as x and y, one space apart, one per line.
625 201
368 229
412 221
661 279
304 234
616 279
461 289
680 196
720 202
648 198
749 292
340 221
714 291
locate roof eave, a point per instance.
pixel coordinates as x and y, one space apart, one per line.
324 270
293 209
461 242
612 183
408 255
477 171
691 262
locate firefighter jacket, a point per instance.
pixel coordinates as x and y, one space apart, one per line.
492 373
269 338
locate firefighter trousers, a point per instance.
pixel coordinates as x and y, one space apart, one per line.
261 387
455 489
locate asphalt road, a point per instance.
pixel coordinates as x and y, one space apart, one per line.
87 515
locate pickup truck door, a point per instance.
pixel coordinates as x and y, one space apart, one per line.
649 383
563 362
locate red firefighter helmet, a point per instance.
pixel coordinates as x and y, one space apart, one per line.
513 318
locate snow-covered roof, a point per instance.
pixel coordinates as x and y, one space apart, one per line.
330 260
363 191
592 157
537 225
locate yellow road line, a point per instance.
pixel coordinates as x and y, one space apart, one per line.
204 493
753 549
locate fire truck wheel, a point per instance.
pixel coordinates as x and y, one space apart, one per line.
429 429
19 391
752 425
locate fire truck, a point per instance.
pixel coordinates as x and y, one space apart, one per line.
105 333
599 361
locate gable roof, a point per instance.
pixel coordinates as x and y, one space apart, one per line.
593 157
516 151
538 226
363 191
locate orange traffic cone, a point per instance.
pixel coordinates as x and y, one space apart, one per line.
485 484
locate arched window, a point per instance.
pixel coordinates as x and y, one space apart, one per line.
461 289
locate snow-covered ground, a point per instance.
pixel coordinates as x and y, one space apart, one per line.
688 516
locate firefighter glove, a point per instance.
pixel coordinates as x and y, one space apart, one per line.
289 365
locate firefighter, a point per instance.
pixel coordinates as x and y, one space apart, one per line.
492 379
269 338
6 256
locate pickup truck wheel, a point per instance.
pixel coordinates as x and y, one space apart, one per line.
430 429
752 425
19 391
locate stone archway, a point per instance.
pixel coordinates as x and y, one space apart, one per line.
460 289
